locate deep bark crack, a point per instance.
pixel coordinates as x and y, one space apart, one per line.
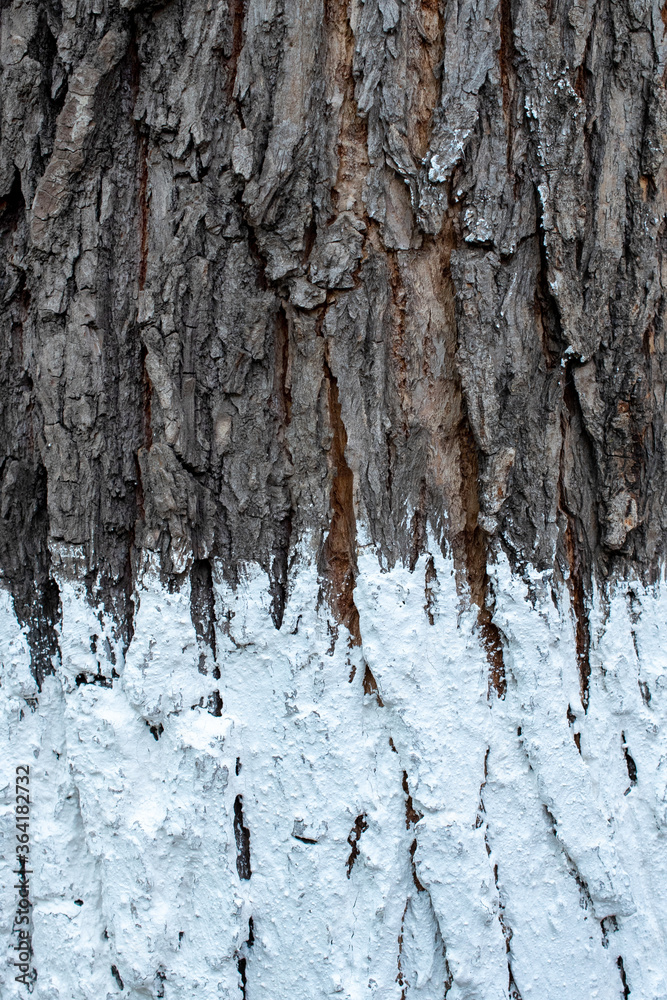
242 837
338 561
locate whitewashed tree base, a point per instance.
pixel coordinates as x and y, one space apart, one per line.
534 870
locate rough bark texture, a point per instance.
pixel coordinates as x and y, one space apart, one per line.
333 274
269 269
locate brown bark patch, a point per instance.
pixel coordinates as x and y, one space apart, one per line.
339 550
360 825
491 641
411 814
352 147
424 91
370 685
143 210
237 11
473 553
415 877
506 59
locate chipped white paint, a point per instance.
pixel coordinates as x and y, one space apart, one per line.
529 855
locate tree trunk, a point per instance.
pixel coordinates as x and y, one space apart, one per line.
333 497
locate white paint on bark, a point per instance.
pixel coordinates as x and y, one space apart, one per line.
514 851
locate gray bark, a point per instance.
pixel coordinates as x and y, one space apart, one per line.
274 269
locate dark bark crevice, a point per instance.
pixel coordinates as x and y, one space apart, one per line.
624 979
360 825
577 550
282 405
25 556
242 836
338 562
474 551
202 602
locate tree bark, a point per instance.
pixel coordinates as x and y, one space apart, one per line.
333 494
